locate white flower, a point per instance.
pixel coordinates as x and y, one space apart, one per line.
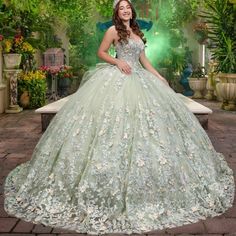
51 176
190 156
90 210
125 136
101 132
140 215
162 160
168 212
151 131
211 203
140 162
195 208
76 132
75 117
154 102
99 166
155 215
144 134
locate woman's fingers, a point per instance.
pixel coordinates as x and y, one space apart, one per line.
126 70
124 67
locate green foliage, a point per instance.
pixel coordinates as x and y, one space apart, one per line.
221 17
37 91
198 72
26 5
174 13
104 7
26 20
43 17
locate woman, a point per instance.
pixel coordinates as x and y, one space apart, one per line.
125 28
124 155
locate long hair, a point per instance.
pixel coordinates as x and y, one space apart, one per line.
123 33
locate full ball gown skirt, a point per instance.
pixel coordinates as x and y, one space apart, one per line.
123 155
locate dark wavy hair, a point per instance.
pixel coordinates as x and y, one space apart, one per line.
123 33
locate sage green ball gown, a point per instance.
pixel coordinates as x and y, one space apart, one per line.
123 155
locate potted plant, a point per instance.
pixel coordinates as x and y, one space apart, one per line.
32 89
197 81
65 76
221 17
13 49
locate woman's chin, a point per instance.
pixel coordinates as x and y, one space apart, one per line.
125 19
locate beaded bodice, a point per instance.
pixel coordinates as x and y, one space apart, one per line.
130 52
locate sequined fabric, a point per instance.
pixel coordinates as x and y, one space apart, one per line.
123 155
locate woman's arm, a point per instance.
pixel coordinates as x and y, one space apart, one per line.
109 38
148 66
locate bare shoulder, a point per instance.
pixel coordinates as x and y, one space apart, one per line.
112 29
112 32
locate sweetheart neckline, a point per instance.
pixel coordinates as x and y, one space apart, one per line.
138 41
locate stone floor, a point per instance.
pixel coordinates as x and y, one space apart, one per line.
19 134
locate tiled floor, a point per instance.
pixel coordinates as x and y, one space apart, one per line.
19 134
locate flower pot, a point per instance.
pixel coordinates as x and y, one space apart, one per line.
25 99
63 86
197 85
227 77
227 90
12 60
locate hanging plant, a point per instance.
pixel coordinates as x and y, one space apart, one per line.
201 32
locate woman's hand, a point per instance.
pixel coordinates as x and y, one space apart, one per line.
123 66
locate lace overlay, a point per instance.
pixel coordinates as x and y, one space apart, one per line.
123 155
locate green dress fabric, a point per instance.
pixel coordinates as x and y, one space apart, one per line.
123 155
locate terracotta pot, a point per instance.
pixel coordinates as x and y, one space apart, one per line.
12 60
25 99
197 85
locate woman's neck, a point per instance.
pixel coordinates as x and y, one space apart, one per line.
127 24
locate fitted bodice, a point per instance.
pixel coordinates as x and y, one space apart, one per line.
130 52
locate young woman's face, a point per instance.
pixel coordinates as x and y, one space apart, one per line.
125 11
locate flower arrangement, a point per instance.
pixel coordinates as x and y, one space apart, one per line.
201 32
17 44
60 72
37 74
